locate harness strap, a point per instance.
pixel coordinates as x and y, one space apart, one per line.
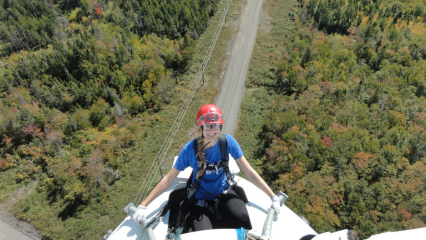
225 161
192 187
223 144
202 203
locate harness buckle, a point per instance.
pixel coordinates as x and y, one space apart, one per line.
212 167
204 203
201 203
191 191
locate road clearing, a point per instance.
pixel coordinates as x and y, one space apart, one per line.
233 88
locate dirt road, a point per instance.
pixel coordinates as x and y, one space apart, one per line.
9 233
233 88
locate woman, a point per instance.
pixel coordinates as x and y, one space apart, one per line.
213 183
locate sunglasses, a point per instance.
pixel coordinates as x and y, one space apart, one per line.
211 126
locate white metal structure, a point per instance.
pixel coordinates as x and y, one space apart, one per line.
287 226
287 222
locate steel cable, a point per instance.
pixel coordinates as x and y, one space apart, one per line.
143 191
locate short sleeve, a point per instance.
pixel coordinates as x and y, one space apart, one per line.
183 159
233 147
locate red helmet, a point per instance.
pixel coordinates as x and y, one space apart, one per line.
209 114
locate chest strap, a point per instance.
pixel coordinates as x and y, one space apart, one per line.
224 163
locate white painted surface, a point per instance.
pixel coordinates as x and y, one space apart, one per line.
413 234
219 234
287 226
340 235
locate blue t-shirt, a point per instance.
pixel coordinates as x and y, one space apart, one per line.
212 184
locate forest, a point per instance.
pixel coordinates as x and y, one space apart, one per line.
82 83
334 115
337 112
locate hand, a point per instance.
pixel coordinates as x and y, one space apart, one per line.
276 204
139 214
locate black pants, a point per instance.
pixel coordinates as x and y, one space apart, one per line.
232 209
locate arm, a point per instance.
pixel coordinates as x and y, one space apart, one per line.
162 186
253 176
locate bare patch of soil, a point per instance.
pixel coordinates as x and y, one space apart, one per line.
265 22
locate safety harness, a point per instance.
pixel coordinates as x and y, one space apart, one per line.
192 186
202 170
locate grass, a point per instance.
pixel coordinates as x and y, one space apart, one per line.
269 46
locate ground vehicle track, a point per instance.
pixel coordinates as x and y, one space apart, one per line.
9 233
233 89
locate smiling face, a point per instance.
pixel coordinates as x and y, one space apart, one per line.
211 131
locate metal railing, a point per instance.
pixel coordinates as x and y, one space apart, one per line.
267 226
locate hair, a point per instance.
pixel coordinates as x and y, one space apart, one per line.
201 156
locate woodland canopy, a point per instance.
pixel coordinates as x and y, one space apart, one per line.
336 117
343 112
80 81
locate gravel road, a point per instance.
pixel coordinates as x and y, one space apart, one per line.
233 88
9 233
